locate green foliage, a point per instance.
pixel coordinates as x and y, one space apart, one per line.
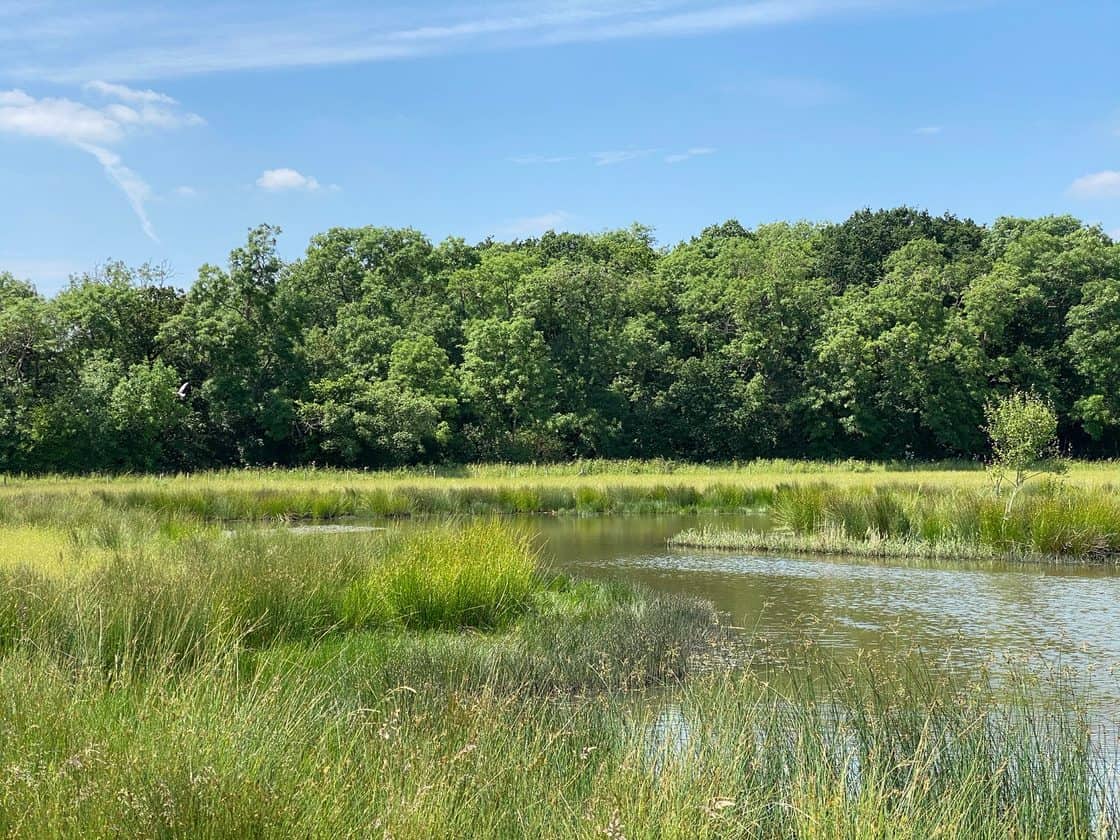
882 336
1023 432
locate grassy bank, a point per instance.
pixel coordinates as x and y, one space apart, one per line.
337 745
1049 522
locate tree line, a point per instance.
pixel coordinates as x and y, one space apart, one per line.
882 336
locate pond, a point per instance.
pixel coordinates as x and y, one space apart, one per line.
965 616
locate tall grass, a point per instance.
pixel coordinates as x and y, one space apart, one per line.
475 575
1051 521
180 603
331 752
161 679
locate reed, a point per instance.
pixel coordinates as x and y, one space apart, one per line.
327 751
1050 522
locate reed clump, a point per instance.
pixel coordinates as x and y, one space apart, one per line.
1052 521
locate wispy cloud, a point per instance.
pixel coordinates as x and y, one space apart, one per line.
281 180
620 156
534 225
1115 234
695 151
96 130
185 192
124 93
79 44
928 130
1104 184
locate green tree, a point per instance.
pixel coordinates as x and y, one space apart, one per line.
507 382
1022 429
236 345
897 369
1094 345
855 252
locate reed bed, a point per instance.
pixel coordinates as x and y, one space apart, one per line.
1051 522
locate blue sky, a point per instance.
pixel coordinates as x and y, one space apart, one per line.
160 133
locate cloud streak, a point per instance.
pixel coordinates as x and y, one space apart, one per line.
533 160
84 44
621 156
95 130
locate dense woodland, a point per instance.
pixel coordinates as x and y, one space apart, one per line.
883 336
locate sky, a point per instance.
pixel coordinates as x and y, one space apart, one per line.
161 132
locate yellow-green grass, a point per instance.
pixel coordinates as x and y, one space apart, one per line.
185 682
570 474
595 487
51 552
175 603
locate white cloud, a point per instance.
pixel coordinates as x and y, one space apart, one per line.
1115 234
1104 184
928 130
695 151
96 130
56 119
534 225
146 107
185 192
212 37
620 156
134 187
277 180
154 116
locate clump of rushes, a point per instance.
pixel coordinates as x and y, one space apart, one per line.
176 604
1050 521
478 574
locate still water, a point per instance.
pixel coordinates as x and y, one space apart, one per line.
961 616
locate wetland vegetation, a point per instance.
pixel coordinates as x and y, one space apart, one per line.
166 672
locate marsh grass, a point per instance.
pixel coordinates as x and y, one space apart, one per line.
1049 522
159 679
478 575
329 747
174 605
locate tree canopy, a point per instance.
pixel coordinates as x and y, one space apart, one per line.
882 336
